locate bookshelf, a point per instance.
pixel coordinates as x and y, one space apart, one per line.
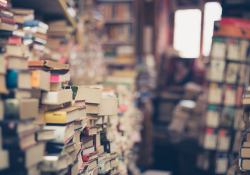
119 30
49 9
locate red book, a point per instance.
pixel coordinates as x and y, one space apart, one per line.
14 40
7 20
90 157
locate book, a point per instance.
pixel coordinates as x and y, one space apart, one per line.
244 164
15 40
48 64
45 135
221 163
28 157
93 171
35 23
233 50
213 116
232 73
108 106
56 98
4 163
102 156
55 78
80 124
3 88
109 146
230 95
16 127
40 80
227 117
244 152
18 79
92 108
223 140
104 166
55 162
90 95
18 93
87 141
97 140
90 157
55 86
62 116
210 139
238 120
79 103
218 50
51 107
21 109
87 151
17 63
92 164
215 93
216 72
19 142
13 50
100 149
63 133
90 131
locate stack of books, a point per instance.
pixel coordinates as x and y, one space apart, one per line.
58 116
59 34
18 111
244 138
35 33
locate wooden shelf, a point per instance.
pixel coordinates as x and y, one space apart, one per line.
49 9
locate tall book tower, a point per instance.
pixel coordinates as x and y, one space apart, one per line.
227 76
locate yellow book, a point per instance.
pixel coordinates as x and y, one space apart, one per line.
62 116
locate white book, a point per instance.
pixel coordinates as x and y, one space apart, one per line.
216 72
62 134
56 98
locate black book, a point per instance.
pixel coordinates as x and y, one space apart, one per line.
108 146
19 142
28 157
6 33
16 127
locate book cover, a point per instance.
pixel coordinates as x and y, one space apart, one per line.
218 50
213 116
233 50
215 93
15 40
221 163
216 72
85 158
227 117
210 139
232 73
223 140
230 95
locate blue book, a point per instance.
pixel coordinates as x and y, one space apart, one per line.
18 79
35 23
28 36
246 95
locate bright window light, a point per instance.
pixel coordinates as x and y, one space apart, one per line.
212 13
187 32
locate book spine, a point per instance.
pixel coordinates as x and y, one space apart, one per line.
7 20
15 40
11 142
12 79
11 109
8 128
33 23
54 79
17 158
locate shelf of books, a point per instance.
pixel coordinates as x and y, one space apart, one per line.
50 121
227 78
118 33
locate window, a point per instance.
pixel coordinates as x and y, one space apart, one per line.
212 12
187 32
